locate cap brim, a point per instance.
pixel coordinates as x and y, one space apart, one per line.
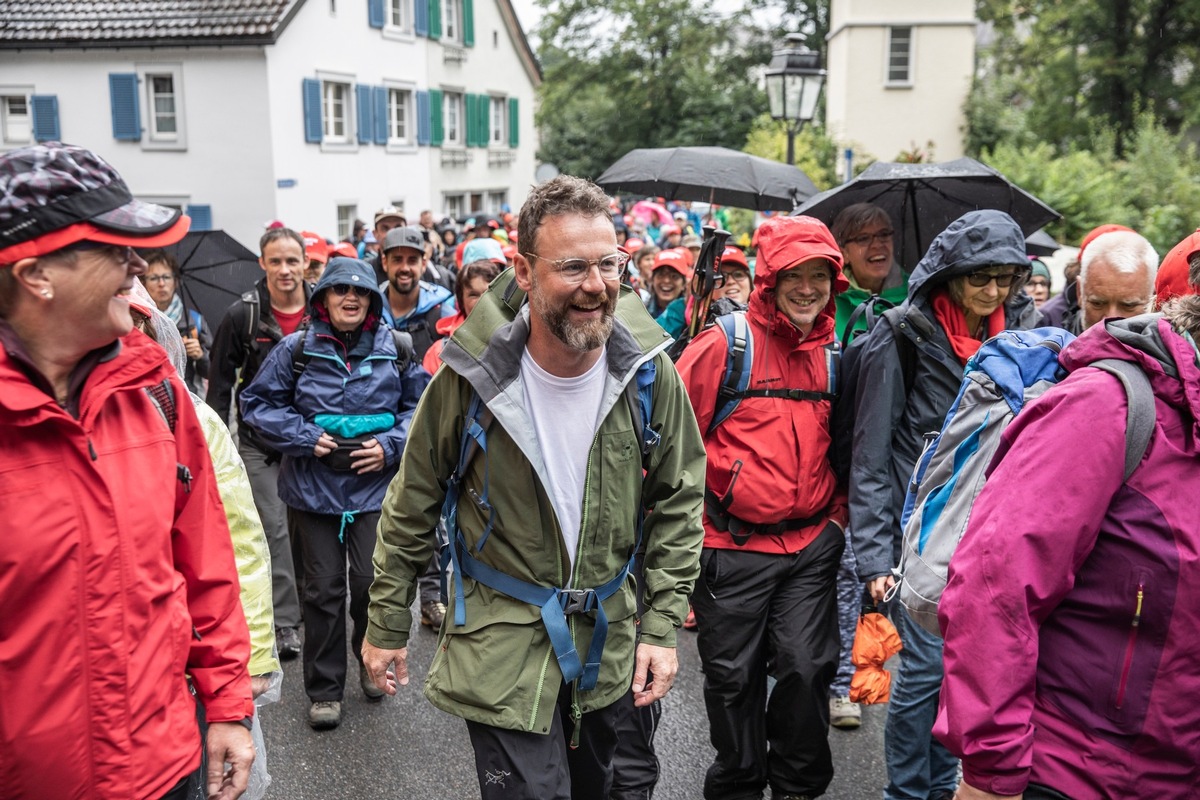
88 232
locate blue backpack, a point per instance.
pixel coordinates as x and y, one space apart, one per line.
556 604
1007 372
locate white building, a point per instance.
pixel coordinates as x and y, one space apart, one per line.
899 74
312 112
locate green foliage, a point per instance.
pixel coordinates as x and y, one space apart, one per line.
816 153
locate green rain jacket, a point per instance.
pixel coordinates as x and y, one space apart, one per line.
499 668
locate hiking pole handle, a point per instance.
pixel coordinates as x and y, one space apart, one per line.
704 280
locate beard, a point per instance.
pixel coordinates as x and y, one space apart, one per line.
583 337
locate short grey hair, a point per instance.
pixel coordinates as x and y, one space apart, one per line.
1124 251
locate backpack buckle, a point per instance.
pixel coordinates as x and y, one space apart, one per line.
576 600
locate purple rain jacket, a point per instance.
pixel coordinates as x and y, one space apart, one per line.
1072 652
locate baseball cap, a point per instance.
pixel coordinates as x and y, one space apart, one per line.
390 212
315 248
1099 230
484 250
53 195
676 258
633 245
681 215
667 230
404 237
691 240
1172 279
734 255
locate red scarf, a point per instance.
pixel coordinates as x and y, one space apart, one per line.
953 320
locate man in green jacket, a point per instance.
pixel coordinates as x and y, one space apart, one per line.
553 500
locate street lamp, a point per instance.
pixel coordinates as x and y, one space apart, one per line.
794 81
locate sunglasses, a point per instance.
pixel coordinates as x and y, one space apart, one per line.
1003 279
342 289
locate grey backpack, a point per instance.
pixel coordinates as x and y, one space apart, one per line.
1009 370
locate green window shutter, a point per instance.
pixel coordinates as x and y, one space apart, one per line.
435 115
472 121
514 120
435 18
468 23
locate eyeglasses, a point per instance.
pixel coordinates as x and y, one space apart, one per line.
158 278
735 275
867 238
1038 282
1003 279
342 289
576 270
124 254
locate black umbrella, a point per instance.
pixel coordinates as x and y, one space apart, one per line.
215 270
1040 243
708 175
922 199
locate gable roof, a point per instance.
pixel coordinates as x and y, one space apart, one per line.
528 58
142 23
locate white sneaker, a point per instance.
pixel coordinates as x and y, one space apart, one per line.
844 714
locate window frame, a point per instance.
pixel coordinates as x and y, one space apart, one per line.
495 200
152 138
409 141
890 53
14 92
348 143
454 204
451 33
453 101
497 130
349 221
405 29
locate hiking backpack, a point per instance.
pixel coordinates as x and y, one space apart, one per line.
1007 372
556 603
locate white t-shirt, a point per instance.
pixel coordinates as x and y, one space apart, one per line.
564 412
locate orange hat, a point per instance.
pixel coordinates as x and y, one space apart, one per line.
676 258
1099 230
344 249
315 247
734 255
1172 279
633 245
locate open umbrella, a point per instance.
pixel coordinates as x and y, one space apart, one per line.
1040 243
922 199
650 212
708 175
215 269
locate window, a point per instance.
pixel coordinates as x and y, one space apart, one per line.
496 201
335 111
400 126
452 20
164 121
345 224
454 206
400 15
476 201
155 111
16 119
499 129
453 105
899 69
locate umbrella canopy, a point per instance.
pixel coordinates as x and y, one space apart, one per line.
651 212
215 269
922 199
709 175
1040 243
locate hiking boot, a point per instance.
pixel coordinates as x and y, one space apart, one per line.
288 642
325 715
372 692
844 714
432 614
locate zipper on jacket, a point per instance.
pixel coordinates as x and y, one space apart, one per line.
1133 632
587 490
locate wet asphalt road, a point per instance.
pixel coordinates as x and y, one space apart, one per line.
405 748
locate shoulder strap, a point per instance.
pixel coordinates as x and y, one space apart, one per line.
300 360
737 365
405 352
163 397
1141 416
250 298
643 409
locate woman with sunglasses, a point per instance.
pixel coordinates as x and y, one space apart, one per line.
966 289
336 401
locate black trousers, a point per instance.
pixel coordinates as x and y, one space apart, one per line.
635 764
776 615
515 765
325 595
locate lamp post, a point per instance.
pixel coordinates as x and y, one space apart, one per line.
794 80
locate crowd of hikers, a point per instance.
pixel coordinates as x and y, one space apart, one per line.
564 434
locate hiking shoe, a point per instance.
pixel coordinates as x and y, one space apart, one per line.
373 692
432 614
288 642
689 624
325 715
844 714
791 797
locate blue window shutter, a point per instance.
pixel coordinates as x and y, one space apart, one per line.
514 122
424 126
468 23
380 95
362 112
435 17
421 17
312 110
470 126
375 13
123 95
437 127
45 117
201 217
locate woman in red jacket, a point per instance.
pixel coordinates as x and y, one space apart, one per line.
117 574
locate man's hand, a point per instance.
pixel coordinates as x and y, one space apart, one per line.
878 587
661 663
191 346
969 792
228 742
369 459
259 684
325 445
377 660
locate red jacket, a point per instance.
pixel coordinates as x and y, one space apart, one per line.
114 580
782 444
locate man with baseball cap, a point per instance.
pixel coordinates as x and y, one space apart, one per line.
316 251
119 586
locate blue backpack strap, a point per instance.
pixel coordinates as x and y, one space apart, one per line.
473 436
646 374
737 365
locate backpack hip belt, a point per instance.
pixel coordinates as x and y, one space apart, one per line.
740 530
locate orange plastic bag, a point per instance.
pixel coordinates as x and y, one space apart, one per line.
875 641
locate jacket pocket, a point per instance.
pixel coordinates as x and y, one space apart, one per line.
1130 646
710 570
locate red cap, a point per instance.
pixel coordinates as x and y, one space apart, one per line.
734 255
1172 280
667 230
315 248
633 245
344 249
1099 230
676 258
509 250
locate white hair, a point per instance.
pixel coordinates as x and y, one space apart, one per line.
1124 251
